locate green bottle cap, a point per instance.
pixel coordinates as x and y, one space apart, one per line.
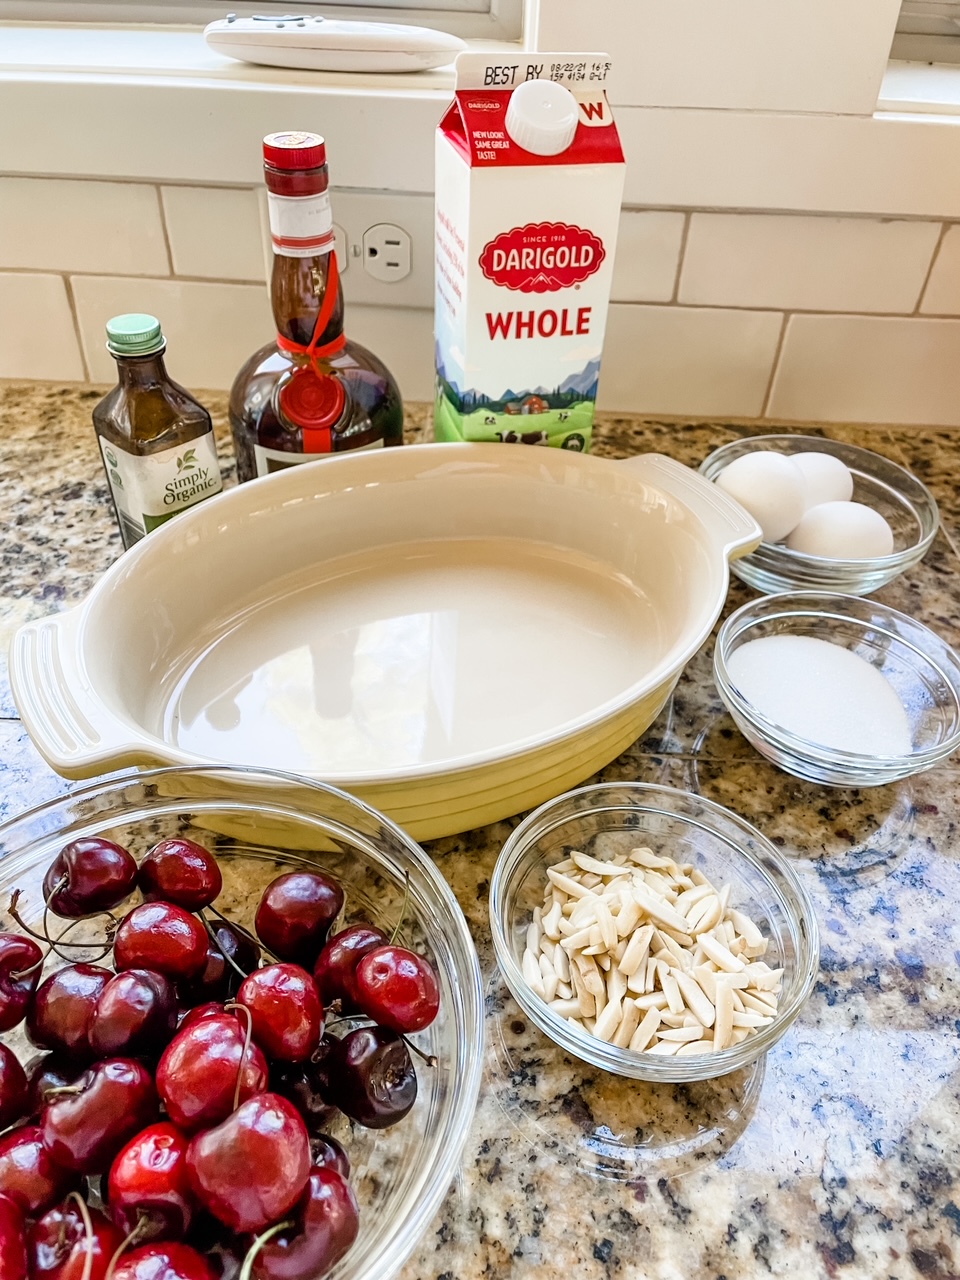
134 335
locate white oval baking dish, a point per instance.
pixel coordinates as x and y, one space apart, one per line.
453 633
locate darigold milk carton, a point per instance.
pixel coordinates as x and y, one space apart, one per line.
529 177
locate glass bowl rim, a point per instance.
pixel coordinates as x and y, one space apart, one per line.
769 607
625 1062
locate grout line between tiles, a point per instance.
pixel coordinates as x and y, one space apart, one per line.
681 254
775 364
933 262
72 304
168 247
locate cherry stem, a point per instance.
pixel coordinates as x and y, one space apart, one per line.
235 1004
89 1240
217 943
403 907
63 1091
53 943
429 1058
246 933
134 1236
17 1124
247 1269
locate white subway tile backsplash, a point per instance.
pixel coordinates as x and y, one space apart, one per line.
210 329
869 369
59 224
648 252
684 360
403 339
37 337
214 232
942 294
806 263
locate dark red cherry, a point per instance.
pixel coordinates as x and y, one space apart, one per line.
197 1075
149 1187
89 875
296 913
60 1249
180 871
83 1131
303 1083
163 937
167 1261
335 970
397 988
47 1072
59 1017
28 1174
286 1009
20 965
14 1090
212 1009
251 1169
327 1153
219 979
326 1223
13 1241
135 1014
372 1079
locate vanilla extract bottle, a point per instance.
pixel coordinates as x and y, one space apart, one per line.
312 392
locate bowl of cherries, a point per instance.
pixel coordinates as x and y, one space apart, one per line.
241 1016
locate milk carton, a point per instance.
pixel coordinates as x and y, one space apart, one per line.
529 178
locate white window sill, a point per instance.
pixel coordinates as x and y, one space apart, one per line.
921 87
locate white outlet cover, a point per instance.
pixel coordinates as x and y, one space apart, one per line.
387 252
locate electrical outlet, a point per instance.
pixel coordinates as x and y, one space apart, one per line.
386 252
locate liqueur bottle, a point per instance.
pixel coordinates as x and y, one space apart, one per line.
312 392
156 441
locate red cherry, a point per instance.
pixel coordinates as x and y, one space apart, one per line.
85 1130
197 1075
295 914
180 871
20 965
303 1084
219 980
327 1221
251 1169
335 971
62 1009
14 1090
286 1009
398 988
212 1009
167 1261
28 1174
89 875
59 1245
148 1184
327 1153
135 1013
13 1242
162 937
47 1072
372 1079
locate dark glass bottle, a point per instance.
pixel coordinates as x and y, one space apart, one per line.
156 441
312 392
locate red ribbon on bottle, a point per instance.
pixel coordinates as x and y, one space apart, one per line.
318 439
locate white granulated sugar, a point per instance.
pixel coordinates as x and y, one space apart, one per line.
823 693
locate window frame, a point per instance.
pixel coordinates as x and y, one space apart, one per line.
928 31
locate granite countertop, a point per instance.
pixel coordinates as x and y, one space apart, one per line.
837 1156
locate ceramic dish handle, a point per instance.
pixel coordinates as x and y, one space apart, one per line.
72 730
734 528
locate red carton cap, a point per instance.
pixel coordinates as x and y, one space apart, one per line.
294 150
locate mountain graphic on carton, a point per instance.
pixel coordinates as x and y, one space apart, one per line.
579 386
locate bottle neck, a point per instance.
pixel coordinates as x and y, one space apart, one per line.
298 289
301 227
137 373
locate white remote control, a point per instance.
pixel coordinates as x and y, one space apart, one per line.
329 44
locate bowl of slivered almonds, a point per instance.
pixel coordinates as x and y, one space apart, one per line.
651 932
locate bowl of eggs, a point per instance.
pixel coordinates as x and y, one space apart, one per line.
835 517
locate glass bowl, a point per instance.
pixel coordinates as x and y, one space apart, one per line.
923 670
907 505
617 817
259 823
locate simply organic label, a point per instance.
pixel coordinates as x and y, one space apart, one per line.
149 489
524 257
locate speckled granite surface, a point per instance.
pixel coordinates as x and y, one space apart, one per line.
839 1156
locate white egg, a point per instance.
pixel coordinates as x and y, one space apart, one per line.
825 478
771 488
842 531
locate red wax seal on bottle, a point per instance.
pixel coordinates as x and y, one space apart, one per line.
313 402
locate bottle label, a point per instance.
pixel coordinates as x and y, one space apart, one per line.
301 226
270 460
149 489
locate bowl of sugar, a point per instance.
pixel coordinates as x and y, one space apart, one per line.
839 689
